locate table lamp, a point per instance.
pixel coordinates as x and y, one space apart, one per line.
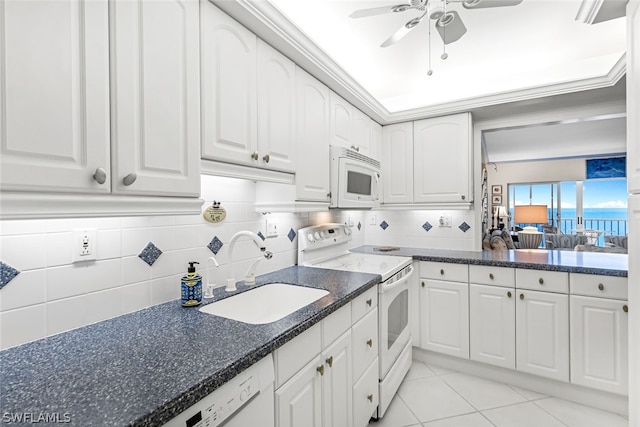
530 237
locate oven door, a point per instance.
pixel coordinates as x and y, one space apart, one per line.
393 318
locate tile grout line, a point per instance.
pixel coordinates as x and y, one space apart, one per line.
553 416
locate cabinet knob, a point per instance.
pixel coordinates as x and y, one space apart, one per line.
370 342
442 272
463 197
422 283
509 294
129 179
320 369
266 158
370 397
521 296
330 361
369 302
541 281
625 308
601 286
100 176
491 276
329 195
356 148
254 155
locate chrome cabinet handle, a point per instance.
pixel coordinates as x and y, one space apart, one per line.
100 176
320 369
254 155
129 179
266 158
330 361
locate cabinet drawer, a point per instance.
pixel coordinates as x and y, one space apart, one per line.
365 396
336 324
444 271
598 286
364 342
540 280
364 304
489 275
295 354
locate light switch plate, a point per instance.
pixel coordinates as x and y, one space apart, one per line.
444 221
272 228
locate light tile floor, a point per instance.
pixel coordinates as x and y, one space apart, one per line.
431 396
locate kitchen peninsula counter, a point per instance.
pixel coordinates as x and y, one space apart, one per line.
144 368
535 259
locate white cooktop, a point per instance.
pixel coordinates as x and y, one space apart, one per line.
384 265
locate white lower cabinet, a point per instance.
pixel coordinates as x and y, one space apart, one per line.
444 310
492 326
542 334
299 401
337 382
365 396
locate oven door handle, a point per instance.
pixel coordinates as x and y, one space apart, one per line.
386 287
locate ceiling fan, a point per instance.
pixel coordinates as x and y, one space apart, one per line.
447 22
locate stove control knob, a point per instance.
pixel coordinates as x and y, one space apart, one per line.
347 231
310 237
316 235
323 234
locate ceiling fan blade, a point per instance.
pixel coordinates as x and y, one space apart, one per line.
450 27
363 13
481 4
402 31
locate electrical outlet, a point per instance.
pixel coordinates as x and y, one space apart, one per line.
372 219
445 221
272 228
84 244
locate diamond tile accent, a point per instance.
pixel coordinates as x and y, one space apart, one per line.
359 225
150 253
291 235
260 235
384 225
7 274
427 226
464 227
215 245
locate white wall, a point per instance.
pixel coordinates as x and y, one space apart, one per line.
535 171
52 295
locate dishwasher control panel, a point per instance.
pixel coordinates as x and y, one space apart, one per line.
217 407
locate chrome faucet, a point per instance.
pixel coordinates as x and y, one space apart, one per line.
250 276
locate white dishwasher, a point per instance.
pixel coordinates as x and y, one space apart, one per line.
245 400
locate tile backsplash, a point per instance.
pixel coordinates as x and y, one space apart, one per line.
140 260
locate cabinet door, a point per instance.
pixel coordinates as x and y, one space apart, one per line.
338 383
442 159
444 307
397 163
299 401
542 334
376 139
599 343
156 97
633 96
228 88
276 114
312 136
341 121
361 132
365 396
54 113
492 325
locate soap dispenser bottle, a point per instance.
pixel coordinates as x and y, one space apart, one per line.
191 285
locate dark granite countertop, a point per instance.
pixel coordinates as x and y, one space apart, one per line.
144 368
536 259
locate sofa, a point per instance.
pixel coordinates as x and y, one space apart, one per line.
616 241
564 241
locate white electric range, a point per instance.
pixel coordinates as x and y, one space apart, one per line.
326 246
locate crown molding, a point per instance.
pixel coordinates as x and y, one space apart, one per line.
266 21
588 11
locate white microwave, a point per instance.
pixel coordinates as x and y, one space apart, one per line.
355 180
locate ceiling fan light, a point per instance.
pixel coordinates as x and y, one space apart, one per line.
470 4
446 19
400 8
435 9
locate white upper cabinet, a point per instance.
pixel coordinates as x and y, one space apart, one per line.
361 133
141 59
312 135
376 139
349 127
54 84
397 163
442 159
229 107
276 109
155 99
248 97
